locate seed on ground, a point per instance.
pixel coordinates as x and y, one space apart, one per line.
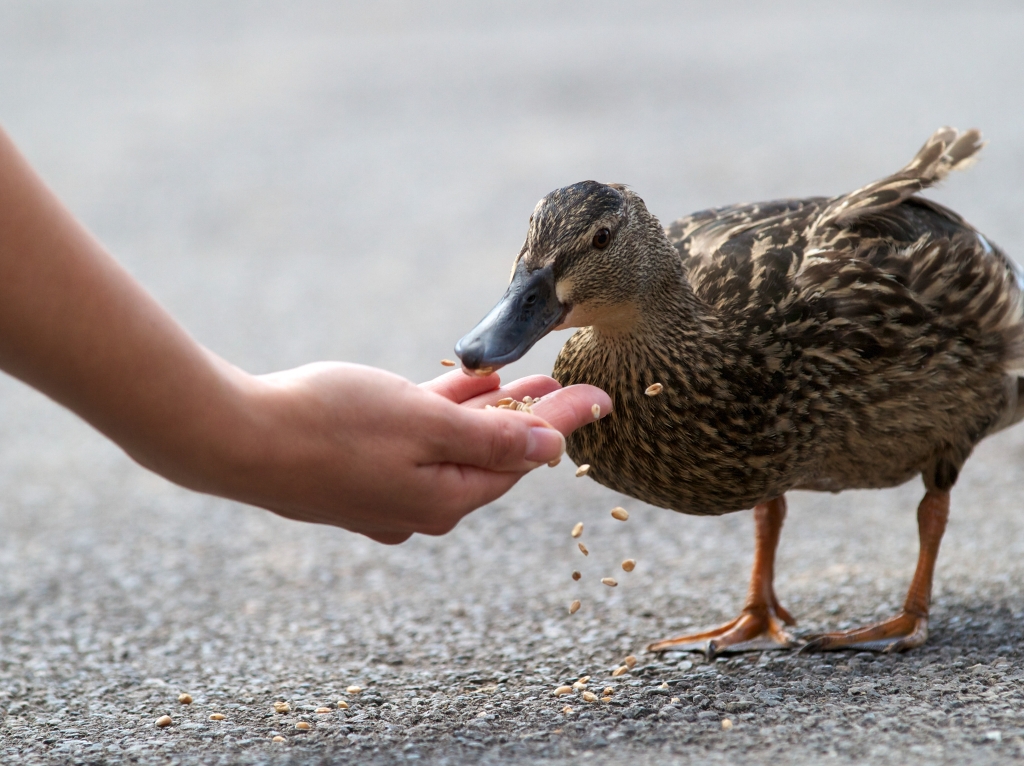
574 606
278 738
629 662
620 513
578 529
596 411
628 565
583 679
282 707
566 710
342 705
611 583
583 470
620 670
563 690
354 689
664 685
576 574
216 716
577 686
185 699
583 550
726 724
447 363
674 700
606 698
608 691
164 720
589 697
302 726
323 710
654 389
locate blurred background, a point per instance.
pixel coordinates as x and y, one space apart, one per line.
346 180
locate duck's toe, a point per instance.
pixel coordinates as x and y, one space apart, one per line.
902 632
754 630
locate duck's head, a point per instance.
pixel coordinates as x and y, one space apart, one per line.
590 251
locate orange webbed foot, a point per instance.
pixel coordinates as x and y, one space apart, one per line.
756 629
902 632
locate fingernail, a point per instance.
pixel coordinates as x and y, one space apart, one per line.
543 445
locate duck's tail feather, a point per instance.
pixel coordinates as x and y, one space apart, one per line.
946 150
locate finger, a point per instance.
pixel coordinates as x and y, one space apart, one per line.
533 385
569 408
472 487
498 440
457 386
389 538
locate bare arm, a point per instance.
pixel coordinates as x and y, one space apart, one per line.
333 443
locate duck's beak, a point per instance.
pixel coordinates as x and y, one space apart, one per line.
526 313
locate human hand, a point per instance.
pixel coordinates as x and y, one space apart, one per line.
367 450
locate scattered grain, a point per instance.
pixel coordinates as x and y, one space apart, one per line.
164 720
578 529
505 402
629 662
583 550
563 690
566 710
674 700
576 574
611 583
583 679
726 724
342 705
302 726
620 670
185 699
606 698
278 738
589 697
574 606
608 691
353 690
654 389
578 685
664 685
583 470
323 710
217 716
620 513
282 707
528 399
447 363
596 410
628 565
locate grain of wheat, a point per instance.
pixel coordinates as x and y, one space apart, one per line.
629 662
278 738
589 697
164 720
282 707
628 565
583 470
185 699
323 710
620 513
562 690
583 549
620 670
342 705
353 690
596 411
217 716
574 606
726 724
447 363
654 389
610 582
302 726
577 530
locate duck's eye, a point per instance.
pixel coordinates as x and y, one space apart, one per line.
602 238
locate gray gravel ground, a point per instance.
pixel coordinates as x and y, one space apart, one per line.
311 181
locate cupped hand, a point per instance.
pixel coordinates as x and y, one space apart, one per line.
367 450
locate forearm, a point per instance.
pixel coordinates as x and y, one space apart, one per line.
76 326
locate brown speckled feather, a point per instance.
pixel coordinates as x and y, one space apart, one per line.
821 344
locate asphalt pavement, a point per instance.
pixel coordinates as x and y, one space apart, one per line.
309 181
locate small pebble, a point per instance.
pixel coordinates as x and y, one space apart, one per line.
576 575
628 565
664 685
589 697
282 707
185 699
620 670
674 700
578 529
278 738
302 726
654 389
563 690
583 550
630 662
164 720
596 410
353 690
574 606
620 513
342 705
611 583
726 724
447 363
217 716
583 470
323 710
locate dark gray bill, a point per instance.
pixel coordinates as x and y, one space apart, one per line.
526 313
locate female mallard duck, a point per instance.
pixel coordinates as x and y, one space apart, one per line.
822 343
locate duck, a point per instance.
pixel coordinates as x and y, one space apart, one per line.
826 343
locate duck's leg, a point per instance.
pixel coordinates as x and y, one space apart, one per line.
909 628
760 624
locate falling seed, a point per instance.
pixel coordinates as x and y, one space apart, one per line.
282 707
278 738
629 662
566 710
353 690
185 699
563 690
447 363
596 410
164 720
628 565
620 670
302 726
576 575
654 389
323 710
583 549
608 691
726 724
609 582
583 470
589 697
578 529
620 513
574 606
216 716
342 705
